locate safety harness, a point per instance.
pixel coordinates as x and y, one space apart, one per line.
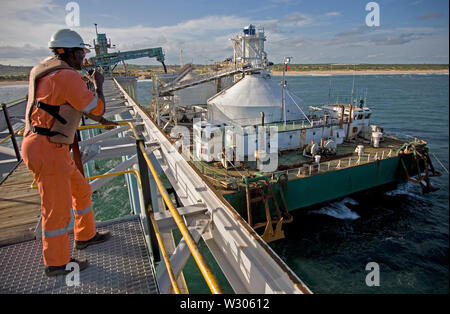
66 117
53 111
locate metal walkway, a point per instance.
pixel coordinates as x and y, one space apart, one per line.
20 207
123 264
120 265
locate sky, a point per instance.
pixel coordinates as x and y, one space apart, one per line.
309 31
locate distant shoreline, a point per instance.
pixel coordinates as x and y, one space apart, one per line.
365 72
9 83
312 73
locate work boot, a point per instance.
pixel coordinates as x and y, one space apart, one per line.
51 271
98 238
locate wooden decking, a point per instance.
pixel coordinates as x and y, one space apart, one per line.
20 207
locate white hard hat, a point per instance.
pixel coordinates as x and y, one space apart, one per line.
67 38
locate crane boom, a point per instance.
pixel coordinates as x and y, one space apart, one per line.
108 60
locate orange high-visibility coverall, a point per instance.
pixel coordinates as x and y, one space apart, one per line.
60 183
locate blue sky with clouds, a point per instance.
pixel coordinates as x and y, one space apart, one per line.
319 31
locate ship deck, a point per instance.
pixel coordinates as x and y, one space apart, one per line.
296 166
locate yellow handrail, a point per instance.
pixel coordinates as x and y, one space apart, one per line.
13 101
155 226
112 174
198 257
206 271
10 135
105 175
5 139
164 253
98 126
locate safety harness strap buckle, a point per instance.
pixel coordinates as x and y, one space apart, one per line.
51 110
45 131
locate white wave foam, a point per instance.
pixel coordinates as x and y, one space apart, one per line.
339 210
409 188
319 74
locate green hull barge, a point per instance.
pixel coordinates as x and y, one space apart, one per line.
265 199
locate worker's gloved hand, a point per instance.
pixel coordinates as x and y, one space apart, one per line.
97 78
102 120
110 123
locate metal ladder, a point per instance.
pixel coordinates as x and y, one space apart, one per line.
256 194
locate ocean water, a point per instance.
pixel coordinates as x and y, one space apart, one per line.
329 247
403 231
12 92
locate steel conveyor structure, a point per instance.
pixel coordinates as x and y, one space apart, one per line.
248 263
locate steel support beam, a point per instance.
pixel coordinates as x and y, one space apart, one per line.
246 260
181 254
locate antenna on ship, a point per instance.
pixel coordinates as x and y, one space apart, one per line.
365 97
353 85
181 57
283 105
329 89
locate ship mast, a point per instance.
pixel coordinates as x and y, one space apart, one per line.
286 62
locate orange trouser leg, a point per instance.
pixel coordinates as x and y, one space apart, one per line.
52 167
84 227
61 186
55 207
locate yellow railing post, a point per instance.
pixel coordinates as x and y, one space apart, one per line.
202 264
196 254
166 257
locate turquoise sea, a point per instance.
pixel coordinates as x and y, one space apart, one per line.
403 231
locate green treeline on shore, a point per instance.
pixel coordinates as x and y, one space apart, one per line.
20 73
20 77
14 73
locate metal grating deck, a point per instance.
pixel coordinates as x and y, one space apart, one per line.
120 265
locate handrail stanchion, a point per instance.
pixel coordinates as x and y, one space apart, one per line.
202 264
163 250
145 165
143 173
166 257
11 131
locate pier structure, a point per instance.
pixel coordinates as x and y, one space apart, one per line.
142 256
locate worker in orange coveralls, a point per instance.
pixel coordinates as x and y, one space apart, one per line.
57 98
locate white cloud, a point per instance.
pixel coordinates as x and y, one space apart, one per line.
333 14
26 38
296 19
28 25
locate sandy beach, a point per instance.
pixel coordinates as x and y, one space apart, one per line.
365 72
9 83
300 73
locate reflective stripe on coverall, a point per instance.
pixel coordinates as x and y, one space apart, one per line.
60 183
